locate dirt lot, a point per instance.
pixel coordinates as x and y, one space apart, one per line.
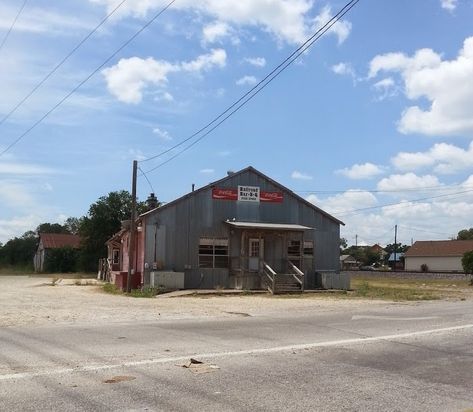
33 301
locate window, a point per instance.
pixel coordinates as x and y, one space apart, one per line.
116 256
294 248
308 248
213 253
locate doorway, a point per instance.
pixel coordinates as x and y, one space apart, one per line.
255 254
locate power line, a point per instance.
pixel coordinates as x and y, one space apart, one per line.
126 43
408 189
423 230
20 103
238 104
146 177
13 24
407 203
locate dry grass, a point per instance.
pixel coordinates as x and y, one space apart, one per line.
410 289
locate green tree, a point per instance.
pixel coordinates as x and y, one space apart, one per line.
102 221
19 251
465 234
72 224
63 260
51 228
343 243
467 263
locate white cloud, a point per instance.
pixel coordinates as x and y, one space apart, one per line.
445 84
215 31
361 171
207 171
386 88
246 81
341 29
288 20
162 134
407 181
343 69
127 79
16 168
442 157
300 176
449 5
41 20
343 202
256 61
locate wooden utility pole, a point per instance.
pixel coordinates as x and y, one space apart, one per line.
131 247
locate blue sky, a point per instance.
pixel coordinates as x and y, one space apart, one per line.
379 111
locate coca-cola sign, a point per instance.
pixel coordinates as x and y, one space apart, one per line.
271 197
224 194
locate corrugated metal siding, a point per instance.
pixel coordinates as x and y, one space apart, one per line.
200 216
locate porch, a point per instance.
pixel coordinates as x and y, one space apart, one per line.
270 256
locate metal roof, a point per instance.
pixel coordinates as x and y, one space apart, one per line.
58 240
268 226
257 172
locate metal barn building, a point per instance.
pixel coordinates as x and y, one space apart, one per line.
244 231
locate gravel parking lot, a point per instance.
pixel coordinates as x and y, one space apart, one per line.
34 301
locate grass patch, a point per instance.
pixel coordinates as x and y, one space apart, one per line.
145 292
16 270
366 290
112 289
407 289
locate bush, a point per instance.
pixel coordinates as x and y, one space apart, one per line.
61 260
467 263
424 268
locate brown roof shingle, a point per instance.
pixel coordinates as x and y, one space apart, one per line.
57 240
440 248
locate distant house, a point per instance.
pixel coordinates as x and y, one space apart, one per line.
396 262
438 255
348 262
379 249
48 241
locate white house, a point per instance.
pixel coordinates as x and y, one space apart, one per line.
438 255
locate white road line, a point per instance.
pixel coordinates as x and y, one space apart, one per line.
145 362
358 317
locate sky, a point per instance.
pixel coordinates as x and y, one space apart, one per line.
374 123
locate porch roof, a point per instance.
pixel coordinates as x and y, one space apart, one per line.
268 226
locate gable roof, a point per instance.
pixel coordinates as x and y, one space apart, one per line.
257 172
57 240
440 248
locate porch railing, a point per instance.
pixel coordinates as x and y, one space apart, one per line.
270 276
296 273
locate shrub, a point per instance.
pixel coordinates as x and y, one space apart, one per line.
467 263
61 260
424 268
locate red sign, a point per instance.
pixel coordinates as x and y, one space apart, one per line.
271 197
224 194
232 194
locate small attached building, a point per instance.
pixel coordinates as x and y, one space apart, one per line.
438 255
244 231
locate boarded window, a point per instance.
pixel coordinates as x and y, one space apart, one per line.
213 253
308 248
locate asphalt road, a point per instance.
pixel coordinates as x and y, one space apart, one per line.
393 357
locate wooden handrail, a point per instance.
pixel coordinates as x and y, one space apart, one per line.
295 268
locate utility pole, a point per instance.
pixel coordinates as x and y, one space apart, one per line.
395 245
131 247
356 240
